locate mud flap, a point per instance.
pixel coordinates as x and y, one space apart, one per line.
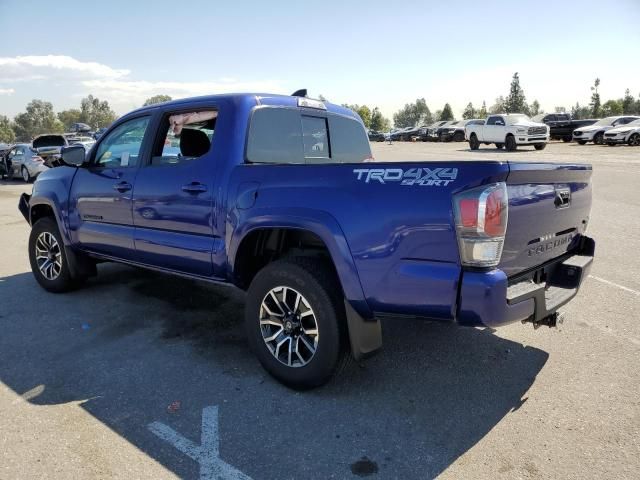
365 335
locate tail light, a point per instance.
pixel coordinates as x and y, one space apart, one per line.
481 224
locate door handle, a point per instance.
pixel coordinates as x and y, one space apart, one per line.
122 187
194 187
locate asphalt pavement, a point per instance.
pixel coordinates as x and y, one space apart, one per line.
142 375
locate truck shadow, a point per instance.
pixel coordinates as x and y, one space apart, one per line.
132 342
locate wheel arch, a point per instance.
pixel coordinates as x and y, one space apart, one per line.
314 230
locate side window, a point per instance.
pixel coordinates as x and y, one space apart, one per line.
121 148
349 142
274 136
492 120
184 137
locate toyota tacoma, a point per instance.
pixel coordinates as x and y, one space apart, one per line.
280 196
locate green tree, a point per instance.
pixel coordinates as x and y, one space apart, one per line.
363 111
156 99
469 112
534 108
498 106
413 114
516 101
69 117
560 110
482 113
378 122
596 108
7 135
38 118
580 112
96 113
612 107
447 113
628 103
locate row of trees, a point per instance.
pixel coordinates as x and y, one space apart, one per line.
418 113
39 117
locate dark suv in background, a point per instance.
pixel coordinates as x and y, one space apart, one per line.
561 125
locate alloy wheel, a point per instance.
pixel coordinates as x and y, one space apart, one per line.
48 256
289 327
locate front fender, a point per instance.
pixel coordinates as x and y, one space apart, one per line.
321 224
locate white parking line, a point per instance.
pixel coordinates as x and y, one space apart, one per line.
212 467
613 284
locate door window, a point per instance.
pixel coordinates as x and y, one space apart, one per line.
184 137
121 147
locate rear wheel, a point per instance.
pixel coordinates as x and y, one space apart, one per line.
567 138
474 144
25 174
540 146
499 146
295 321
634 140
598 139
510 143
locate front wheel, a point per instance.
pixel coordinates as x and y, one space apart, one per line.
582 142
540 146
474 143
598 139
295 321
26 176
510 143
458 137
634 140
48 258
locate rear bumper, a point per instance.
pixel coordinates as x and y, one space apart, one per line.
492 299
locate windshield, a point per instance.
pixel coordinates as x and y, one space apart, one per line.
519 118
606 121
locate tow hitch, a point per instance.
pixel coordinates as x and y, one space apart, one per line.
551 321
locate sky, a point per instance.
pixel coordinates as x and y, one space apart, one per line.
383 54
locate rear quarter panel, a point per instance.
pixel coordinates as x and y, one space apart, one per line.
400 239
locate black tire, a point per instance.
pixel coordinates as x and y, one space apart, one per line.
540 146
458 137
567 139
26 176
499 146
634 140
510 143
64 281
598 138
474 144
611 144
316 281
582 142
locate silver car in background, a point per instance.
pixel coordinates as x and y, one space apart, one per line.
24 162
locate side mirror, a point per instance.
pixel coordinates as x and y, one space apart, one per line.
74 155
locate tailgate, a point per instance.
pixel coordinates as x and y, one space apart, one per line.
549 207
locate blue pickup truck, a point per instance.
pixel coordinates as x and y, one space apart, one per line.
280 196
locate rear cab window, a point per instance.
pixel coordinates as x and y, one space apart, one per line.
283 135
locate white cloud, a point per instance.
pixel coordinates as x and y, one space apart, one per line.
7 91
24 67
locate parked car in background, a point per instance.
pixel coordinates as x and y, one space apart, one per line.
561 125
5 149
508 130
434 128
595 133
98 133
48 147
454 132
628 133
79 128
25 162
86 142
429 129
375 136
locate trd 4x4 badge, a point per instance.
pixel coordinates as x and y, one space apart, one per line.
429 177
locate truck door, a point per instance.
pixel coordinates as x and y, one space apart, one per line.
100 196
174 192
494 130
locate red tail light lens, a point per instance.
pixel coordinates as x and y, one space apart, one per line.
481 216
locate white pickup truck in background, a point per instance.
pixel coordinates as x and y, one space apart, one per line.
509 131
